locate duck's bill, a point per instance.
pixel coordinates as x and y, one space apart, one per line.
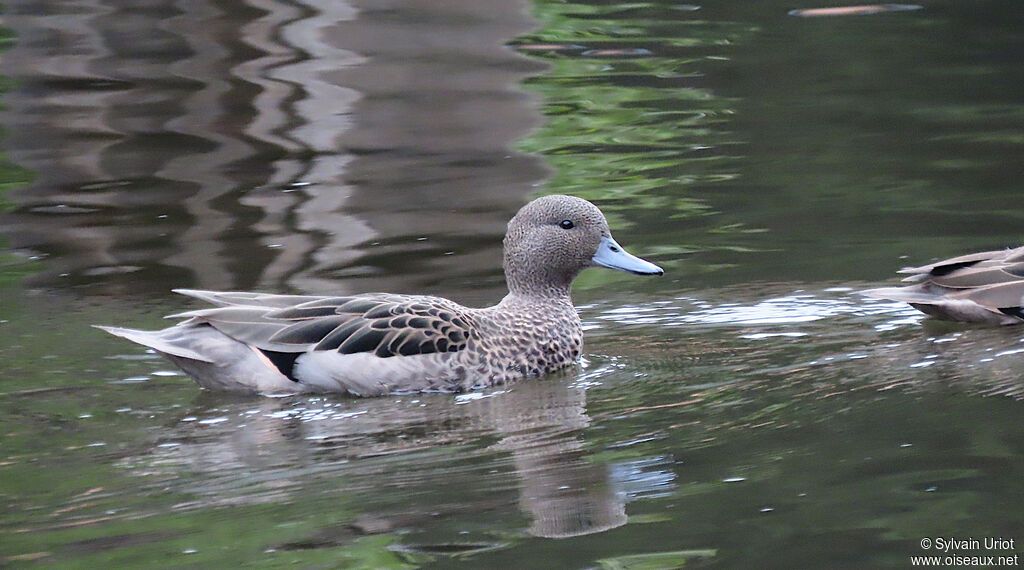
611 255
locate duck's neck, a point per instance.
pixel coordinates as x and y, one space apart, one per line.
538 286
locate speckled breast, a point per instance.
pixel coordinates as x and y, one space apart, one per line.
528 343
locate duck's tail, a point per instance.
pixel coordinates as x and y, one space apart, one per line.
160 341
910 294
213 359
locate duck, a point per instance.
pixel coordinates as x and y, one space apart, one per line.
376 344
985 287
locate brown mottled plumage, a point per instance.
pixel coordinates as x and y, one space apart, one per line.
379 343
986 287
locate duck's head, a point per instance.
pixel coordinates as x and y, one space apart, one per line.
555 237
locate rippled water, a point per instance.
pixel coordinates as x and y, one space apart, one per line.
749 409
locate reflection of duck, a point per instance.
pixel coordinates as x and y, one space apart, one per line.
564 492
986 287
378 343
345 452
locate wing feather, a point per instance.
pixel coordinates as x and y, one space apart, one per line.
364 339
234 298
979 287
309 331
334 339
383 324
300 312
970 277
1000 296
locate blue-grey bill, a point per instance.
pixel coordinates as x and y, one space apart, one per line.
611 255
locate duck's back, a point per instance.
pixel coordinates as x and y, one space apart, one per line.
985 287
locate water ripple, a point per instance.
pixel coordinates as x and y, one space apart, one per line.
831 335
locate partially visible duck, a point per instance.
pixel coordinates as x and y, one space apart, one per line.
985 287
378 343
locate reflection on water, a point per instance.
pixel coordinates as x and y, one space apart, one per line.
248 453
747 410
672 433
863 10
801 334
291 155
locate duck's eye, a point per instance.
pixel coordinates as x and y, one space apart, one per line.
567 224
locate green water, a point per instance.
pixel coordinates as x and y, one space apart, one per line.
747 410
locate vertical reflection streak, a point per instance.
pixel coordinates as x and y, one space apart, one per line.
310 145
317 111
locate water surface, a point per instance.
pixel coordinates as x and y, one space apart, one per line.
748 409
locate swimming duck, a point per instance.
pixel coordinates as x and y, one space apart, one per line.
986 287
379 343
